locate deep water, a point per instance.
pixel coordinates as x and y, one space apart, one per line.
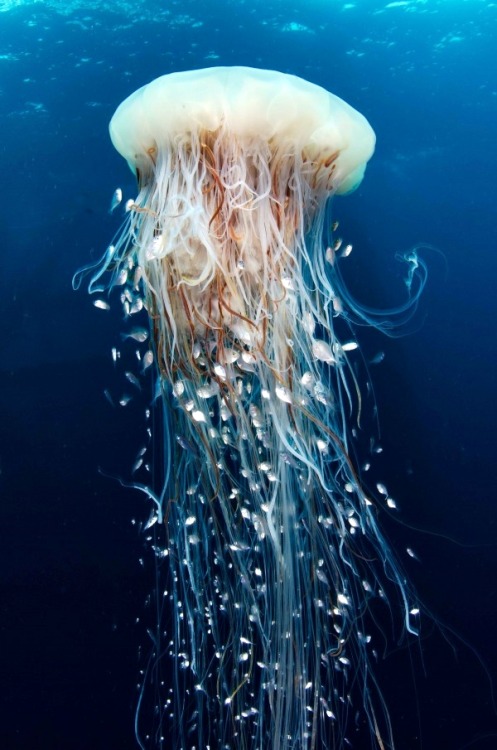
74 569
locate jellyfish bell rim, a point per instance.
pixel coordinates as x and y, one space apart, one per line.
244 103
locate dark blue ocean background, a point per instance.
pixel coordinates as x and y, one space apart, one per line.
75 570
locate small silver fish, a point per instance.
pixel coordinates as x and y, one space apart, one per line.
349 346
109 397
330 255
101 304
136 465
116 199
137 334
185 444
147 360
133 380
377 358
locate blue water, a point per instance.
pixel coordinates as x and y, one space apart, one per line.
75 573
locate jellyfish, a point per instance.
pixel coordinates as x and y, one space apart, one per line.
274 558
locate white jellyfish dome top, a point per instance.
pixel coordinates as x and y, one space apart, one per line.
246 103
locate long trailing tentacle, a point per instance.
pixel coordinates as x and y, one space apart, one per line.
273 545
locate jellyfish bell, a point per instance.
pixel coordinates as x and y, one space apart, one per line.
274 553
242 104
